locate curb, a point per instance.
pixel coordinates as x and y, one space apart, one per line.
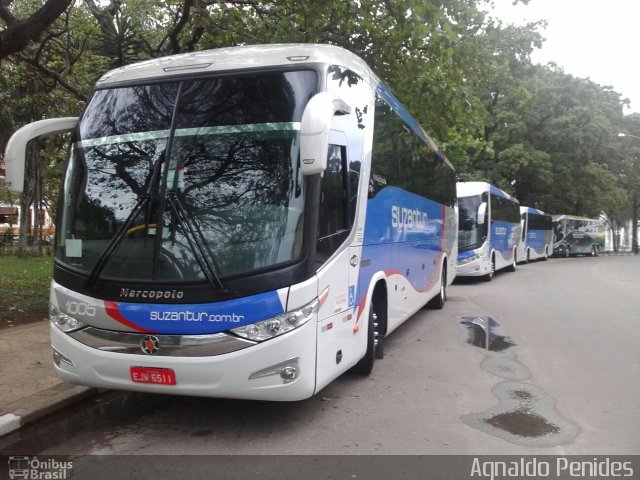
45 402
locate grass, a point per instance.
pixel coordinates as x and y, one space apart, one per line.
24 284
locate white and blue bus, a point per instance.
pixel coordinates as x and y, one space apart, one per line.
489 230
246 222
537 235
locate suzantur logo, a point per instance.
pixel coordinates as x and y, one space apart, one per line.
187 316
407 218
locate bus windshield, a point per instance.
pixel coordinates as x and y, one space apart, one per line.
470 234
168 179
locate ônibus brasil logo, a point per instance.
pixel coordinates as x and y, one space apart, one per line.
32 468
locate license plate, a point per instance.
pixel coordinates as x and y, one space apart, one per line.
156 376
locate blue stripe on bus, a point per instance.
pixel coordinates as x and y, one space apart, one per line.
198 318
538 239
403 235
503 239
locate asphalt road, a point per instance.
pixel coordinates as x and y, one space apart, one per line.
562 376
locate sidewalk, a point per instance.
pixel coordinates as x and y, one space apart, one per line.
29 387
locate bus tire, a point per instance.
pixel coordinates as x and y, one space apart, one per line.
437 302
375 342
489 276
513 266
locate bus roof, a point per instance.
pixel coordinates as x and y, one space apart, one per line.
254 57
533 211
238 58
468 189
557 218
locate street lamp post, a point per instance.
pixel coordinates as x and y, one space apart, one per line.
635 205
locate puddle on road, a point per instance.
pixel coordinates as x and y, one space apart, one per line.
525 414
494 341
500 359
523 424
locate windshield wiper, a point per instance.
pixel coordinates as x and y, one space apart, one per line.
122 231
191 233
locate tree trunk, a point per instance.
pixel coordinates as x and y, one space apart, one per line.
635 206
36 245
23 224
26 200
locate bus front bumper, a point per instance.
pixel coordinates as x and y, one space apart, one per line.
476 267
280 369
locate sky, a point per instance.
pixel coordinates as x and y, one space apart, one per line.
596 39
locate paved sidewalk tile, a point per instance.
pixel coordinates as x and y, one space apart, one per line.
27 366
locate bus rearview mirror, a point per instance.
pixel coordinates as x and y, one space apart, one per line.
16 149
314 130
482 213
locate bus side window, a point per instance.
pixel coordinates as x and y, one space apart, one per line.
334 219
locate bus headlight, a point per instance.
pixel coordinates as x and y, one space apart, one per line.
63 321
470 259
272 327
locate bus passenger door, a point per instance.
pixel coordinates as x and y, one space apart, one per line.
337 266
522 247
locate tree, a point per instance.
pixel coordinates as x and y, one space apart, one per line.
536 132
630 171
19 33
26 97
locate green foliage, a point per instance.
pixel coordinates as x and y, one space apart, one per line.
543 135
24 285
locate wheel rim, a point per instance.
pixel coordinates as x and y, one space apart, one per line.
376 332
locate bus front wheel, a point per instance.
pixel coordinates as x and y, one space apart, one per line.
374 343
513 266
492 270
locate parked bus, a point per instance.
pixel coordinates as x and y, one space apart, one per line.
575 235
489 230
537 235
247 222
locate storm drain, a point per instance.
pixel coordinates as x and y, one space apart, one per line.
525 414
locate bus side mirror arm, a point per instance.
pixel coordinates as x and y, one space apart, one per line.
16 149
482 213
314 130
